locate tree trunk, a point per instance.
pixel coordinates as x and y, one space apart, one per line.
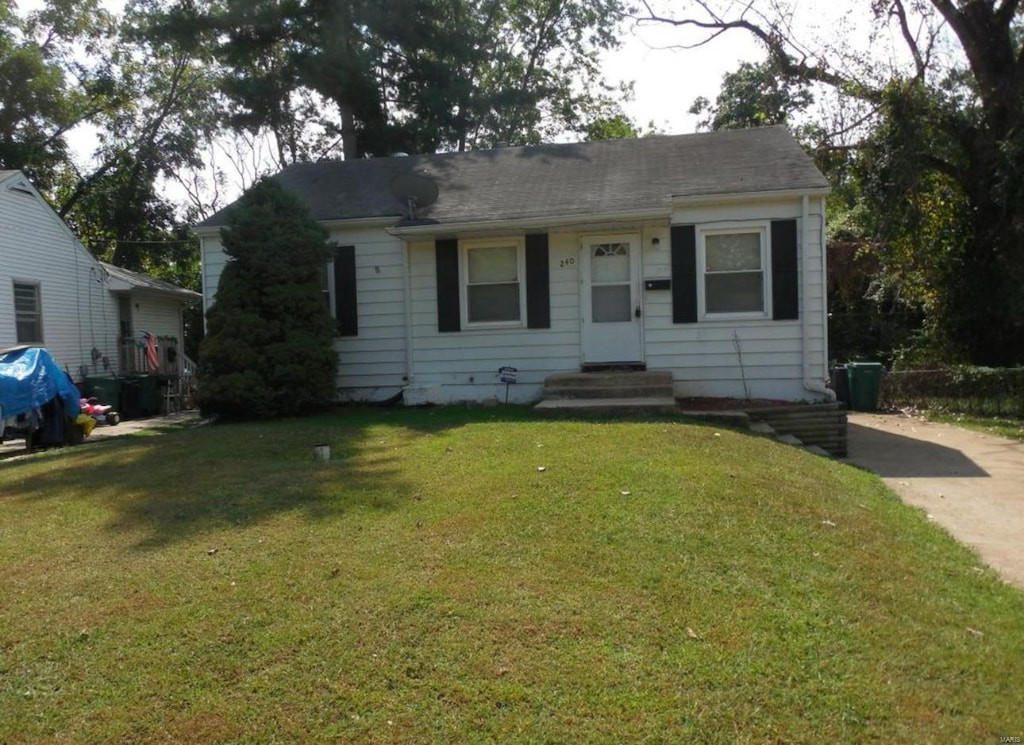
349 136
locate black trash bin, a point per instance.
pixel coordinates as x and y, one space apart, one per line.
839 382
141 396
131 407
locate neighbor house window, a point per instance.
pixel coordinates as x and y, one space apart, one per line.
493 284
28 313
327 285
734 272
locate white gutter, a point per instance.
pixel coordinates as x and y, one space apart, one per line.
407 289
732 197
354 222
811 384
518 225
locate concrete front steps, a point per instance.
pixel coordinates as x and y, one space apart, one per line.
634 391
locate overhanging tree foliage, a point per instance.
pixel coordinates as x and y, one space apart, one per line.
268 349
753 95
408 75
45 90
71 63
943 153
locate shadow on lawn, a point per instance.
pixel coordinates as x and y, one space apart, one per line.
170 484
163 487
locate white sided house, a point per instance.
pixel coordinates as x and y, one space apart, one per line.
701 255
91 316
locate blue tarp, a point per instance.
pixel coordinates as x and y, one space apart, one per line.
29 377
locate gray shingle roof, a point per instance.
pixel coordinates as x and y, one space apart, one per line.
518 183
145 282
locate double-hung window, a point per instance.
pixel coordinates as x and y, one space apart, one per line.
28 313
493 283
732 262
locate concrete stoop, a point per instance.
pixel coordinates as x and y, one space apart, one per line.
614 392
591 385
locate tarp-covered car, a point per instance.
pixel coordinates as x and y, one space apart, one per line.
38 401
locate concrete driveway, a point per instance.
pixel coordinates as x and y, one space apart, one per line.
970 483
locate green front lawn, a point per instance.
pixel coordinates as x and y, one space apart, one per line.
1002 426
457 575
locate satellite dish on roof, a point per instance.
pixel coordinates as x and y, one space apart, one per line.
414 190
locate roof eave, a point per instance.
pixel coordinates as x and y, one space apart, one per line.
348 222
185 296
688 200
549 221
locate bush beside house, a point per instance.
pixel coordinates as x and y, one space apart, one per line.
269 344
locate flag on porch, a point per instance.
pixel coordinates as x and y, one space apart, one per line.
151 358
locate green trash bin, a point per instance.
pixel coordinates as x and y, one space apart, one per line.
865 382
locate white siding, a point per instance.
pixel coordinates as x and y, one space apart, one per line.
760 358
212 259
157 314
79 314
371 365
463 365
400 348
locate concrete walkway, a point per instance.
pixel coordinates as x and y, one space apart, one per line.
16 448
970 483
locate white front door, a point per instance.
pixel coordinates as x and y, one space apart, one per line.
612 323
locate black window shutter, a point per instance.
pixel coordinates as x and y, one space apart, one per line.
447 260
785 276
538 289
684 274
346 311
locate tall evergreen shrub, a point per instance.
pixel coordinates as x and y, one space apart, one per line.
268 348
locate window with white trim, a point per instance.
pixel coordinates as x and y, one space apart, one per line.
28 313
732 265
493 286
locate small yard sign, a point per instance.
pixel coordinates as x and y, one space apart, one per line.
508 375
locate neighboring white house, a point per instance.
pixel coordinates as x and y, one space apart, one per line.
91 316
699 254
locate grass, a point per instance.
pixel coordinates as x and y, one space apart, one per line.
1009 427
657 581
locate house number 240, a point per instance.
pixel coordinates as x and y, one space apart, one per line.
569 261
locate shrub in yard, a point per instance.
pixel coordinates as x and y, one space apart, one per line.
268 348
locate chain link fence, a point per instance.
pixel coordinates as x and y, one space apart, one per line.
983 391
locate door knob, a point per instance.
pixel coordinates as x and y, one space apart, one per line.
637 312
